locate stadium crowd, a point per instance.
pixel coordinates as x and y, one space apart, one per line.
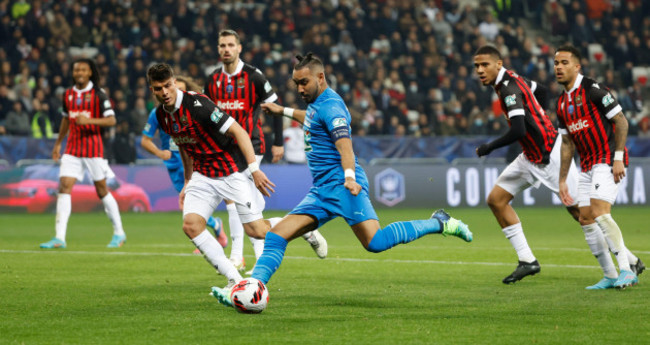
403 67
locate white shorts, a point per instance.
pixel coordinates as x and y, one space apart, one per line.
521 174
73 166
597 183
203 194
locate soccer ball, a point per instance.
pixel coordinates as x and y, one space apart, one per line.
249 296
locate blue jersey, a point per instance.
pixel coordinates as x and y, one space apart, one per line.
325 119
166 143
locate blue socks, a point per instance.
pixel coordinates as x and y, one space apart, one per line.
402 232
268 263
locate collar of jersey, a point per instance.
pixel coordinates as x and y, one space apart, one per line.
502 71
177 105
85 89
240 66
576 84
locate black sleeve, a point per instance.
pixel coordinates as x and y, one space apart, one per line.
541 94
517 131
277 131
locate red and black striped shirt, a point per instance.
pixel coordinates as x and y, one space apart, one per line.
240 95
584 113
198 127
517 99
92 102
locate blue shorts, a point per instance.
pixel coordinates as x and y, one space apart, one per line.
328 202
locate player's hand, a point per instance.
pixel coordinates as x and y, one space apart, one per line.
618 169
483 150
165 155
352 186
56 152
263 184
273 109
83 120
564 194
278 152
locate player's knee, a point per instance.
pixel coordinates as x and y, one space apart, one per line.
192 228
494 202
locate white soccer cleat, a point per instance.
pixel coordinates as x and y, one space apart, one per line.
318 243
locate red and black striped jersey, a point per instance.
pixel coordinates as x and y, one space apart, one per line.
585 114
198 127
517 99
240 95
92 102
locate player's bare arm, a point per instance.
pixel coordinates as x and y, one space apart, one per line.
344 146
148 144
620 137
263 184
63 131
567 150
278 110
102 122
187 169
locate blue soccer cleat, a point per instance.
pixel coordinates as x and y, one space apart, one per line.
54 243
117 241
605 283
452 226
625 279
219 234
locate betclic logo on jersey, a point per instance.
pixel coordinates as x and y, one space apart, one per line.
233 104
389 187
76 113
578 125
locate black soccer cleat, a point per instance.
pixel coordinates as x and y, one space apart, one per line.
638 268
523 269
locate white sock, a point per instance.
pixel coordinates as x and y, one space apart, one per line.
214 254
258 246
113 212
614 238
598 245
236 233
63 209
631 258
515 234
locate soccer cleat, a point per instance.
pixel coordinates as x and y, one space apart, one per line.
605 283
117 241
453 226
223 294
625 279
638 268
239 265
523 269
54 243
318 244
221 236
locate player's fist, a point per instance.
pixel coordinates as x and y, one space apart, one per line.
483 150
165 155
272 108
352 186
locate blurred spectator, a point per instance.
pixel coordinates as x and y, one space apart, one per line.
294 144
17 121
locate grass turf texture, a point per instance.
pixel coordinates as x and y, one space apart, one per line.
435 290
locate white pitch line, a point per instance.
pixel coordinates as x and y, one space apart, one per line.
397 261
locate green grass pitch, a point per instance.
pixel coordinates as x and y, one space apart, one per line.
436 290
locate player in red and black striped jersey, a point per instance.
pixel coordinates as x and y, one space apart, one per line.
215 151
592 121
238 89
536 165
86 109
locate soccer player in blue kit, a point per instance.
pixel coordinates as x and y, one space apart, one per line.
168 152
340 186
